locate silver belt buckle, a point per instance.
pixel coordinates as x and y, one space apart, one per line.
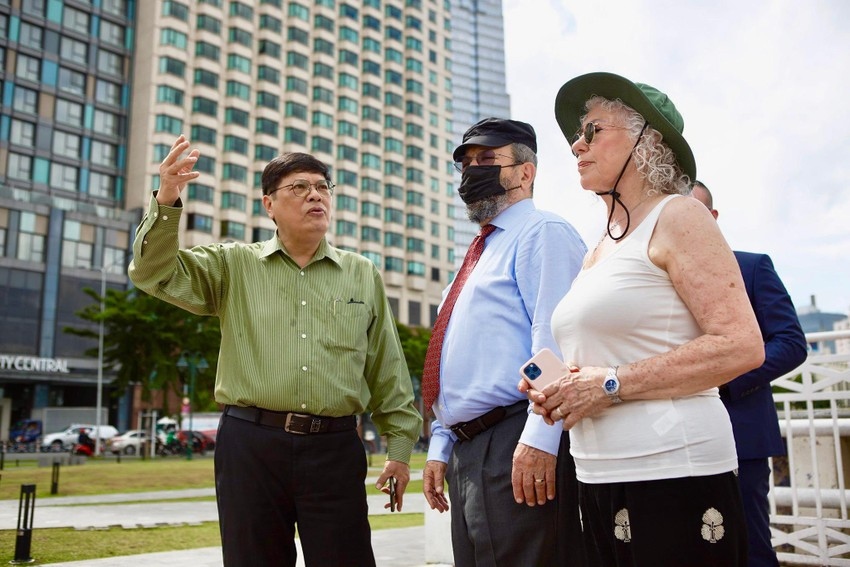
287 426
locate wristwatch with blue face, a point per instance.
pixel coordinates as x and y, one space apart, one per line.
611 385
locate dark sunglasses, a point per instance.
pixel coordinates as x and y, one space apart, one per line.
589 132
486 157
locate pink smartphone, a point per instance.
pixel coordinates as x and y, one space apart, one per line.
542 369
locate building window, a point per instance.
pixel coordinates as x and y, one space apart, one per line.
368 209
77 244
239 36
239 63
266 73
393 215
392 264
320 144
346 203
235 116
238 90
347 104
234 172
297 35
30 36
107 92
414 313
231 200
296 10
207 50
173 66
346 228
370 185
323 70
295 136
66 145
19 167
270 48
168 36
270 127
112 34
175 10
268 22
322 22
323 46
105 154
268 100
26 100
207 78
111 63
165 93
208 23
204 106
198 192
415 245
241 10
101 185
74 51
297 85
415 269
22 133
64 177
235 144
71 82
322 94
201 223
28 68
203 135
30 237
370 234
295 110
393 240
170 124
110 124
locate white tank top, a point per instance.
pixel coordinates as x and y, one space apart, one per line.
621 310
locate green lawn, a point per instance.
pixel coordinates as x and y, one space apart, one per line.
107 476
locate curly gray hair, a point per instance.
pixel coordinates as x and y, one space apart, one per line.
654 160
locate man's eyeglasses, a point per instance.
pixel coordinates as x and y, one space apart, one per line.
302 188
487 157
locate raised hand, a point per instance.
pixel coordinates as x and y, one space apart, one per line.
176 172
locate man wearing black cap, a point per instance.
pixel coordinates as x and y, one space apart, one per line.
499 461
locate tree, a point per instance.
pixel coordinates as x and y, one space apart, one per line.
414 343
143 338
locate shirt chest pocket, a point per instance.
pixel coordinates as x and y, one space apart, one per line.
347 325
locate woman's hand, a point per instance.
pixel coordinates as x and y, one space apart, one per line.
572 398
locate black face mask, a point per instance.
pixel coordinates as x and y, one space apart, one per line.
480 182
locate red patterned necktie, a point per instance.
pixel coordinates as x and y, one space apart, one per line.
431 373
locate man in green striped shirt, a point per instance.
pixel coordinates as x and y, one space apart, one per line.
308 343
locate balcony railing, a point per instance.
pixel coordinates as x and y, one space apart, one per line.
808 497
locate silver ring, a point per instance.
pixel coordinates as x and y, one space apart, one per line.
539 480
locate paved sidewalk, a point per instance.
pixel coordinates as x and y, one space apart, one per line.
403 547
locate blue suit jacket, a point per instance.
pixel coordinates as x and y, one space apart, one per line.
748 397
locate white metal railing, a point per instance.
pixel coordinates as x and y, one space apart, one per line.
808 497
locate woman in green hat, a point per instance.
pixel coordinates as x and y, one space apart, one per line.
656 320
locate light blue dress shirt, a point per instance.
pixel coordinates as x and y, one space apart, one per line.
501 318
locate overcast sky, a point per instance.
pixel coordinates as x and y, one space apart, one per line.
763 89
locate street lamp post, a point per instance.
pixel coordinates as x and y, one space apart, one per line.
194 362
103 270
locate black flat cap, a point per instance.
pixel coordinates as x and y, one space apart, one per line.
495 133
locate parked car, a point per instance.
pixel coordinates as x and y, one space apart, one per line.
201 441
24 435
65 439
127 443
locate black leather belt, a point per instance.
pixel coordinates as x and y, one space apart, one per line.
297 423
468 429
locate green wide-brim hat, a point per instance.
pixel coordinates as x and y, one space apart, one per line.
649 102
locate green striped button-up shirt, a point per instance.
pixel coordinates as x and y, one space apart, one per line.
319 339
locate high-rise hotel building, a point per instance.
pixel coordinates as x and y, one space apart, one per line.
364 85
94 92
66 87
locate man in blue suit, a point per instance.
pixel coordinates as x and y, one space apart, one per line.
748 398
